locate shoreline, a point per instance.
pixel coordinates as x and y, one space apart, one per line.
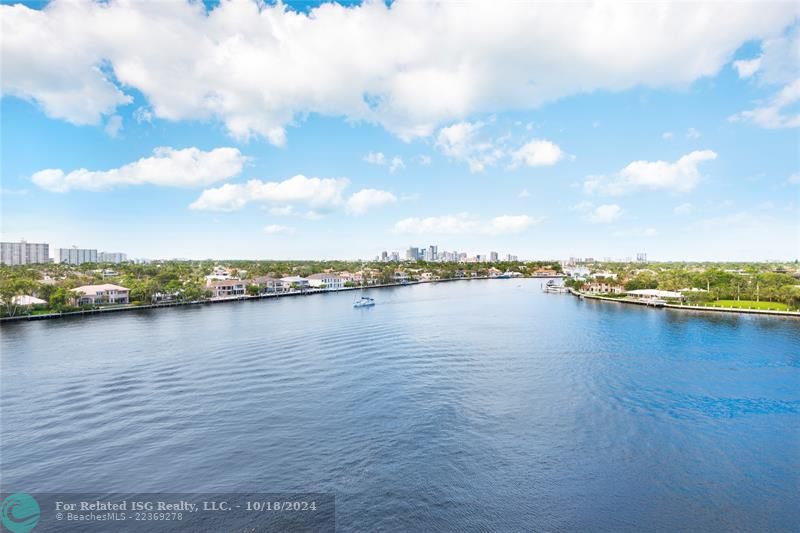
231 299
794 314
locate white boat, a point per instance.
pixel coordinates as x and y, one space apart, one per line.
364 301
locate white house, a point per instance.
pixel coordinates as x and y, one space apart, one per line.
654 294
106 293
298 281
326 280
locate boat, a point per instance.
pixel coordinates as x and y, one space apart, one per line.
656 302
364 301
553 288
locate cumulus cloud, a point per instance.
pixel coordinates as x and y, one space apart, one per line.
794 179
667 135
777 65
601 214
316 192
424 160
524 193
463 141
375 158
680 176
409 66
189 167
537 153
604 213
396 164
464 223
113 126
683 209
747 67
773 114
692 133
365 199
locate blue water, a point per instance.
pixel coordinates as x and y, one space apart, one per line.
464 406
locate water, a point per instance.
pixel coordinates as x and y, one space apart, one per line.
475 405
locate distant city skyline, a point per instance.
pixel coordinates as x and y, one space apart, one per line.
503 135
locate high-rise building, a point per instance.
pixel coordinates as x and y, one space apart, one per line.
24 253
111 257
384 256
510 257
412 254
394 256
493 256
76 256
641 257
433 252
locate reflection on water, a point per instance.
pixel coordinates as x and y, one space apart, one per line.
482 405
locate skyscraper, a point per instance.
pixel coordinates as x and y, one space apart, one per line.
76 256
24 253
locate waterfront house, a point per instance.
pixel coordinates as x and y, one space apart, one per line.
107 293
494 272
267 284
544 272
603 274
27 300
295 282
654 294
326 280
225 288
602 287
428 276
400 276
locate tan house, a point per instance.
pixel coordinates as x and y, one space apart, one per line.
267 284
601 287
106 293
224 288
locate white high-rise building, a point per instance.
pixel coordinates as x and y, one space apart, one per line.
24 253
112 257
493 256
76 256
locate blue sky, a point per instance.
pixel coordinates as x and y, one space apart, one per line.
519 143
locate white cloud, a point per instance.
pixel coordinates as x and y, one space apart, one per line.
773 113
190 167
604 214
316 192
794 179
365 199
409 66
524 193
537 153
601 214
461 142
375 158
680 176
777 65
113 126
692 133
424 160
747 67
143 115
683 209
396 164
274 229
667 135
464 223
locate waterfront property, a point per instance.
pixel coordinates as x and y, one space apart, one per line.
104 294
225 288
654 294
295 282
326 280
490 393
603 287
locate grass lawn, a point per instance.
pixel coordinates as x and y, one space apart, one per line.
749 304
